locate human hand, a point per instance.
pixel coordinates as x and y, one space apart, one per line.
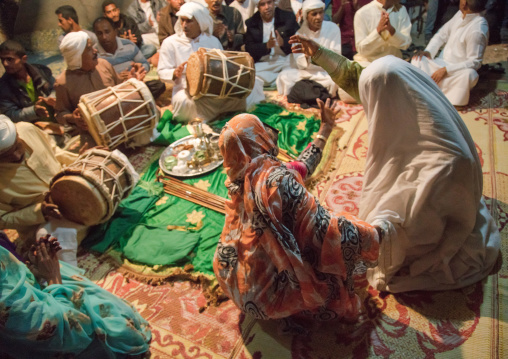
419 54
231 35
219 29
179 71
150 21
329 111
43 261
137 72
280 40
40 109
271 42
303 45
78 120
439 75
49 209
125 74
50 101
382 23
131 36
389 26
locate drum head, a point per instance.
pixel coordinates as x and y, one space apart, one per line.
195 72
79 200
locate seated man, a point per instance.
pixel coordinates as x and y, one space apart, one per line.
127 28
266 40
382 27
194 30
123 54
325 33
247 8
292 5
85 73
168 18
227 25
26 90
68 21
146 13
28 162
465 38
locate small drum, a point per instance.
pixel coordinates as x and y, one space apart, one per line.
221 74
116 114
89 190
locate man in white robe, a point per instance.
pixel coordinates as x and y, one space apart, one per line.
382 27
465 38
194 30
326 34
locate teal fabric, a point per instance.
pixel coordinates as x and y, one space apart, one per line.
76 317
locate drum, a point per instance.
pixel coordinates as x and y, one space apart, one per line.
220 74
116 114
89 190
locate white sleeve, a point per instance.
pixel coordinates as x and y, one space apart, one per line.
167 61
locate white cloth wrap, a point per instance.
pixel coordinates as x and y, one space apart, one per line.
424 177
7 133
197 11
72 47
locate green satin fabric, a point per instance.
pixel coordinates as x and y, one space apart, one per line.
138 228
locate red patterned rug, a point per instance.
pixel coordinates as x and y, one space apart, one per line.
452 324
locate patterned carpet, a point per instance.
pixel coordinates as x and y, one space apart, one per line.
463 323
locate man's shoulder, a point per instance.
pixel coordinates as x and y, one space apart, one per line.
254 20
365 9
128 20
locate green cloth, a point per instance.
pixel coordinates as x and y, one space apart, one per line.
74 319
138 228
30 89
343 72
170 130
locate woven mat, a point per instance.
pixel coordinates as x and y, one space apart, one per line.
463 323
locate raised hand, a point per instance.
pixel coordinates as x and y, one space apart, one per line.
179 71
303 45
271 42
280 40
329 111
40 109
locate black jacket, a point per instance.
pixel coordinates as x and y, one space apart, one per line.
14 101
284 23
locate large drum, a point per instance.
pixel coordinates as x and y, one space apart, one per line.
89 190
220 74
116 114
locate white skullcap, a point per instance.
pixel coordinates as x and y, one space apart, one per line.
199 12
309 5
7 133
72 47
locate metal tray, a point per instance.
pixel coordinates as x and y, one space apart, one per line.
192 172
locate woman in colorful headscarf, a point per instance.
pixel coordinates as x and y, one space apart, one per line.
281 253
423 178
64 316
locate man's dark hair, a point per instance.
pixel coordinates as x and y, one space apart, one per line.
14 46
67 12
103 18
476 5
107 3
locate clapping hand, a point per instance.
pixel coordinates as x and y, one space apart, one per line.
43 261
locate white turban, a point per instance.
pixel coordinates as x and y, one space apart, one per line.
72 47
199 12
7 133
309 5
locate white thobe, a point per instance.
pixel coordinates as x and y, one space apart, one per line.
176 50
422 184
301 66
464 40
246 9
369 43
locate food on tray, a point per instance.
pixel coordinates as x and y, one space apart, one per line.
170 162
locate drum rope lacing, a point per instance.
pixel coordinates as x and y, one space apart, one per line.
243 70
